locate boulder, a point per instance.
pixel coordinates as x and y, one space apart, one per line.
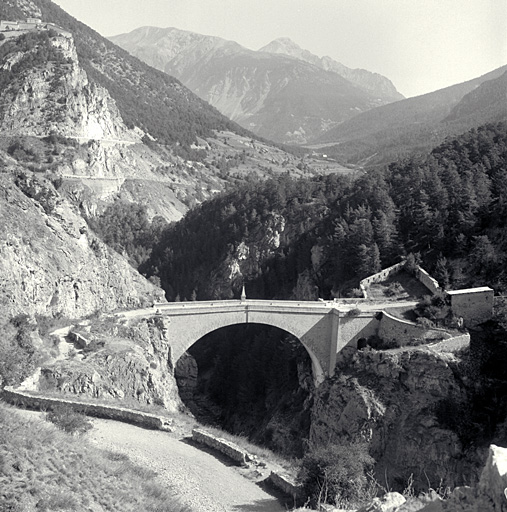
493 481
387 503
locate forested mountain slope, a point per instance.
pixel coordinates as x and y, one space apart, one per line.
417 124
304 238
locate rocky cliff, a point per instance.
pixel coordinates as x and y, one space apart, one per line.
50 264
393 401
119 360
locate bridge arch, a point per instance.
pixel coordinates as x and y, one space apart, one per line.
317 370
315 327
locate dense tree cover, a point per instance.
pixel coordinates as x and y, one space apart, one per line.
127 229
451 207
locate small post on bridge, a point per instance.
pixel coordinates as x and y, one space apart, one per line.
243 294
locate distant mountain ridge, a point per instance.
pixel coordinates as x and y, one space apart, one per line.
372 82
417 124
272 92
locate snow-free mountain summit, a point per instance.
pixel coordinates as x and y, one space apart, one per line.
280 92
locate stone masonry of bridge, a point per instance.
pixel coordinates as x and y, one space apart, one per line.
323 327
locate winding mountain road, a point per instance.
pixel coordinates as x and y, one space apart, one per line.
200 480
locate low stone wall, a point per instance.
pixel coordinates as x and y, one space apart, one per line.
396 329
379 277
143 419
452 344
278 479
286 484
424 278
228 448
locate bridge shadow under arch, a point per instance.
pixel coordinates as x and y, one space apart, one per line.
253 379
314 324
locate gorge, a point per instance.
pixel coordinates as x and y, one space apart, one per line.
127 203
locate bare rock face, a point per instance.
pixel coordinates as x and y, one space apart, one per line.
51 265
493 482
47 100
389 400
123 362
186 376
243 261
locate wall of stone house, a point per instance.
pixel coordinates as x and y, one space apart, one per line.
475 306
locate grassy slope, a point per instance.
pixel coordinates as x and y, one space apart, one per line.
42 468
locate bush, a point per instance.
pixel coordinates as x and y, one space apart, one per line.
411 264
336 474
393 289
69 420
353 312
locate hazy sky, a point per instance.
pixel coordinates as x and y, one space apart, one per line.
421 45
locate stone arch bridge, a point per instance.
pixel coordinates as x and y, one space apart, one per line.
324 328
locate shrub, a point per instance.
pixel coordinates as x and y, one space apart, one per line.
425 322
411 263
353 312
336 474
69 420
393 289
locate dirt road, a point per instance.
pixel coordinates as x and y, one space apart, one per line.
200 480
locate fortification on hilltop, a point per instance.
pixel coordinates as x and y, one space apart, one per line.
18 27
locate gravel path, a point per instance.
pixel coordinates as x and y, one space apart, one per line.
199 479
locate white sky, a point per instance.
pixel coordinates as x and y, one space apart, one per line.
421 45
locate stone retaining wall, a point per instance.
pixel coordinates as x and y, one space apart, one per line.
228 448
278 479
286 484
143 419
452 344
396 329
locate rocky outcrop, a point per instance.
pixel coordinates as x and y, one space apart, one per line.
50 264
59 98
121 362
390 400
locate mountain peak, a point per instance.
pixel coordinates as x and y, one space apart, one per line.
283 45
